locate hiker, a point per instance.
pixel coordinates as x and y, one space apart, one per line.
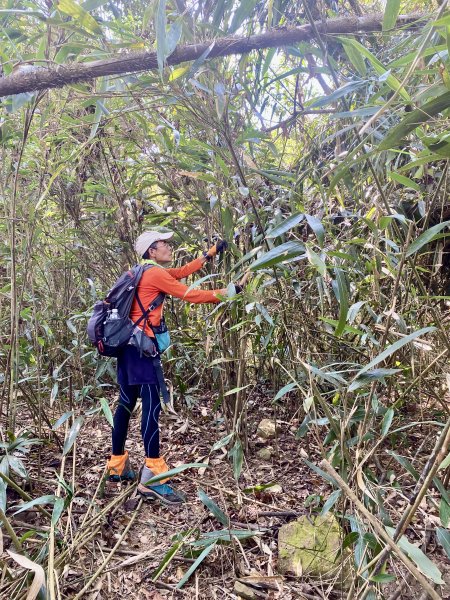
139 375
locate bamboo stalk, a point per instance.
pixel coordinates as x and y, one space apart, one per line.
325 465
110 555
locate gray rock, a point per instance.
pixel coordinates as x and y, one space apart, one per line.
311 547
267 429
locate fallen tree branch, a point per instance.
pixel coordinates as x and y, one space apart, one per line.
61 75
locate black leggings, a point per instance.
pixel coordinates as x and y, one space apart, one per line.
151 407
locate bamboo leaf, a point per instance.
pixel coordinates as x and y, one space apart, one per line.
79 15
195 565
242 12
443 536
175 471
36 502
223 442
213 508
414 119
390 14
341 291
160 26
74 431
170 554
391 81
57 510
317 227
277 255
387 420
107 411
424 564
346 89
331 501
406 181
286 225
427 236
39 574
393 348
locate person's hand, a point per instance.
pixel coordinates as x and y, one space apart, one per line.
219 247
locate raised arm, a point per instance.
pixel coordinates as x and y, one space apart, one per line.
186 270
165 282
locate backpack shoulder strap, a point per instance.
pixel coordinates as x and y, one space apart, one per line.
156 302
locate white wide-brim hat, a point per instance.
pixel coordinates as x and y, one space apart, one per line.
146 239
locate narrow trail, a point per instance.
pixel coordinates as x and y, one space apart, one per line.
188 439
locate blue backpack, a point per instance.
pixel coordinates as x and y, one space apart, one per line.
109 327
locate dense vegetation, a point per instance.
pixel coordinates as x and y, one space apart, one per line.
323 163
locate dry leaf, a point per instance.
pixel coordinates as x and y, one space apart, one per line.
39 575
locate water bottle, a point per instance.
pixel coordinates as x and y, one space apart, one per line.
114 316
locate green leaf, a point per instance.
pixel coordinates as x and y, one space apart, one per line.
391 81
62 419
286 225
175 471
237 455
82 18
3 495
356 59
36 502
57 510
387 420
350 539
213 508
406 181
170 554
316 261
107 411
242 12
443 536
444 513
438 144
74 431
317 227
224 535
223 442
341 291
195 565
331 501
383 578
424 564
160 26
320 472
393 348
414 119
346 89
284 390
390 14
427 236
278 254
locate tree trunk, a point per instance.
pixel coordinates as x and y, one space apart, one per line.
55 77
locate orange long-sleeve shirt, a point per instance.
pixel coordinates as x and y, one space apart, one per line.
157 279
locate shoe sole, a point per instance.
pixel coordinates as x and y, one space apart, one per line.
153 497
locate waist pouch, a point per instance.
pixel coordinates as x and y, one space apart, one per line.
162 336
147 347
143 342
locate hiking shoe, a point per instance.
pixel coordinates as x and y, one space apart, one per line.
119 468
162 492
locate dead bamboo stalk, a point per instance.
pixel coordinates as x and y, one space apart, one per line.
110 555
325 465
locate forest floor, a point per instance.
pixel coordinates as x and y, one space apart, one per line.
189 438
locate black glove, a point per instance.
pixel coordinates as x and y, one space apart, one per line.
219 247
